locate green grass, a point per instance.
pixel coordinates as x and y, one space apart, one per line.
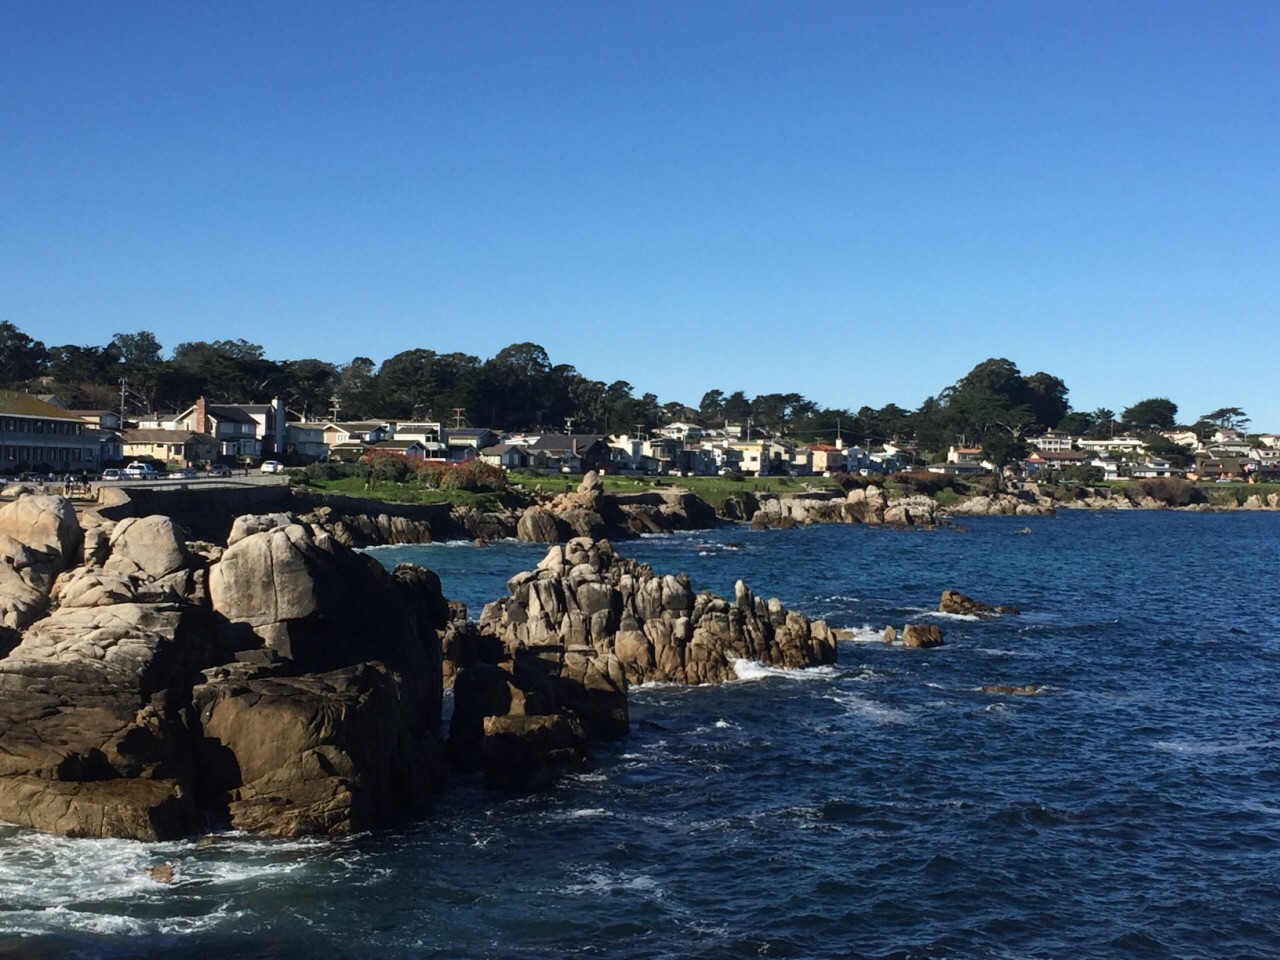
412 492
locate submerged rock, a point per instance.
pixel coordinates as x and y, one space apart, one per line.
958 603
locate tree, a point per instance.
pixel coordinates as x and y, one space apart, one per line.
1157 413
356 390
1077 423
140 349
736 407
1177 454
1228 418
21 358
711 406
1104 424
1047 397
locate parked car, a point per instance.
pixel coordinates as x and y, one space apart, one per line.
141 471
112 473
272 466
219 470
185 473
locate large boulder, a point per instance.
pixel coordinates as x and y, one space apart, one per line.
152 547
538 525
329 753
921 636
97 740
39 538
305 698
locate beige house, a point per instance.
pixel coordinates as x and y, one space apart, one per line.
183 448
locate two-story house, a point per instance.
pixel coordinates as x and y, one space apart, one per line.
36 435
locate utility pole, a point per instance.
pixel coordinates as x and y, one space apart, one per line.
457 417
124 385
568 425
337 405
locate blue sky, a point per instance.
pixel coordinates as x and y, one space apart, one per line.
854 201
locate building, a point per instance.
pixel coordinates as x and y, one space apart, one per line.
1053 441
180 448
36 435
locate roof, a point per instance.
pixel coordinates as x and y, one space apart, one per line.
567 441
236 413
15 404
396 444
468 431
166 436
1059 455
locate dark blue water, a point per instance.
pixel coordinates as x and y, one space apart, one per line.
885 808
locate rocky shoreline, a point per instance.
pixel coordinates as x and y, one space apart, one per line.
283 683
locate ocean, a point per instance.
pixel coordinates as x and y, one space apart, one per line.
885 807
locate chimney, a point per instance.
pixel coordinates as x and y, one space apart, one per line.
278 406
202 419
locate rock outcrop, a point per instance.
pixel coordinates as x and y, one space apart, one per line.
921 636
286 685
583 597
1024 503
546 669
957 603
860 505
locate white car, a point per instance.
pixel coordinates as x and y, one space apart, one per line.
272 466
140 471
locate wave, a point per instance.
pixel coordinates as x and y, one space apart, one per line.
1210 747
863 708
863 634
754 670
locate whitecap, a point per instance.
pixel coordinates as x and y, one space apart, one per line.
725 725
754 670
863 708
863 634
1208 747
587 813
1027 654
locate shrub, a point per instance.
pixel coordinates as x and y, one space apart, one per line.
923 482
1171 491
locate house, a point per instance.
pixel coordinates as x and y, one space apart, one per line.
508 456
1213 467
430 434
240 431
1185 438
964 455
1053 441
36 435
1110 468
1121 444
344 431
183 448
304 441
409 449
826 458
569 452
1042 461
762 457
682 431
1155 467
465 443
957 469
105 425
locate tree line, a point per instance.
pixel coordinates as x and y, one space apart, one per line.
993 407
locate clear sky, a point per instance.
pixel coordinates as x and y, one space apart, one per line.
855 201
